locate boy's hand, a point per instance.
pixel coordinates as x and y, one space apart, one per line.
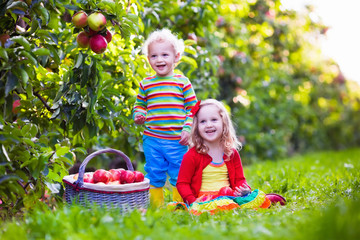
242 190
139 119
185 136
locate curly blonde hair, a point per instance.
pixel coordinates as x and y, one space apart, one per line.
229 140
164 35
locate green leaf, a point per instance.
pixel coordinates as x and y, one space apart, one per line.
189 61
21 74
29 57
3 54
8 178
79 60
11 83
61 150
44 13
41 52
22 41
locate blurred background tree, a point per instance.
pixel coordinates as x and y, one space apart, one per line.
60 102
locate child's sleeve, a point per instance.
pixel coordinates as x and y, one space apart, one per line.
189 101
186 172
140 103
239 171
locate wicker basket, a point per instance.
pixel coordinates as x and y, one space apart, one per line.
125 196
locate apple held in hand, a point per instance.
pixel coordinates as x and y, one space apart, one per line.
139 176
102 175
226 191
98 43
96 21
79 19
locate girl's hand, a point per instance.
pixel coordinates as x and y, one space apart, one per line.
242 190
139 119
185 136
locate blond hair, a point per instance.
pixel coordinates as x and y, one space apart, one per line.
229 140
164 35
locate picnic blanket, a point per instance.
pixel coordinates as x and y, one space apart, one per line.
215 203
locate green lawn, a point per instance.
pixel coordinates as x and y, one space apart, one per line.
322 190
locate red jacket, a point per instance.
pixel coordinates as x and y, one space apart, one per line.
192 166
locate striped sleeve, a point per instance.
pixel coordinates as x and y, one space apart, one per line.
190 101
140 103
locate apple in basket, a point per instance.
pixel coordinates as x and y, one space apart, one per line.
102 175
116 174
226 191
139 176
114 183
127 177
88 177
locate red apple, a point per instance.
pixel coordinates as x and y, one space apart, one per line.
139 176
16 104
116 174
83 39
90 32
226 191
127 177
102 175
3 39
96 21
98 44
88 177
79 19
108 36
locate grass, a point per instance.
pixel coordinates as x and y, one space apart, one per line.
323 202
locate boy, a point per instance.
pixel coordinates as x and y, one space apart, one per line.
163 104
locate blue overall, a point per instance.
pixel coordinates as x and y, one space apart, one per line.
162 157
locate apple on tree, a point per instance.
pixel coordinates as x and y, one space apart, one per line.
98 43
79 19
108 36
83 39
15 106
96 21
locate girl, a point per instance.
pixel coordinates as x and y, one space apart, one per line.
213 161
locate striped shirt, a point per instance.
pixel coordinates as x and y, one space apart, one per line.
166 103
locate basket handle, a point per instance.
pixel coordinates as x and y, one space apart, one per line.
80 181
